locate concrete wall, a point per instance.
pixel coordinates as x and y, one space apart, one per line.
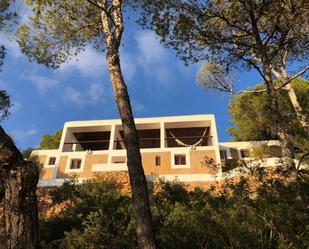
97 163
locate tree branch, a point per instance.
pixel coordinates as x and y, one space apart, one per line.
276 88
96 5
103 9
292 78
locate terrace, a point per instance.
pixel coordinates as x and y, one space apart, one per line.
151 136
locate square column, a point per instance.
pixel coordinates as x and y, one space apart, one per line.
112 137
162 135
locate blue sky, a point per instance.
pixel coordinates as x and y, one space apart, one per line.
159 85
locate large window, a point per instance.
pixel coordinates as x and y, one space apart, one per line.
180 159
75 164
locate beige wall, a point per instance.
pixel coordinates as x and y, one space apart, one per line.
197 163
47 173
87 172
42 159
61 167
148 160
89 161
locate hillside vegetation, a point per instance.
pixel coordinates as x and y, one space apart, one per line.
261 209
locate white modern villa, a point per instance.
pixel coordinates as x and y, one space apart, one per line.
185 148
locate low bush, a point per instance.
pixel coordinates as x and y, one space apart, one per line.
261 210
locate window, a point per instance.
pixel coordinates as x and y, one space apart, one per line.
180 159
244 153
223 155
158 160
52 161
75 164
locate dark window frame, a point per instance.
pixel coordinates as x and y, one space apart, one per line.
79 165
180 159
223 154
244 153
158 160
51 160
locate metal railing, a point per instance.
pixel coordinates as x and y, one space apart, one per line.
154 142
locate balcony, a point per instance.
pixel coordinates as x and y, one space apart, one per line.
151 136
148 138
189 136
83 141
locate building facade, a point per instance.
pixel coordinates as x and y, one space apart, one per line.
184 148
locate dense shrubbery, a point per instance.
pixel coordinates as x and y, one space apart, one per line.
260 211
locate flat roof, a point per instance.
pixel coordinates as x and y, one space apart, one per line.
188 118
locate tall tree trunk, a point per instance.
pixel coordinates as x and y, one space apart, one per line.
113 27
286 143
20 179
302 118
136 172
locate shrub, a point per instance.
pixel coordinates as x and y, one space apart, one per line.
262 210
100 215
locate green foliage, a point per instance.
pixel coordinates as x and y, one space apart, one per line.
259 211
230 33
252 117
7 17
51 39
5 13
2 55
5 104
27 153
230 164
214 76
101 215
264 151
51 141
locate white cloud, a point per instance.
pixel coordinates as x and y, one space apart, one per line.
154 59
42 83
149 47
164 75
138 107
72 95
21 133
88 63
127 66
94 95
